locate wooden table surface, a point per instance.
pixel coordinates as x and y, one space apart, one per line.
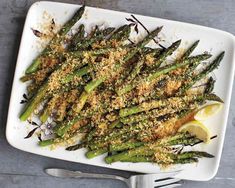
21 169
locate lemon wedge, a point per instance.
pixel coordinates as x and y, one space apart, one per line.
198 129
208 111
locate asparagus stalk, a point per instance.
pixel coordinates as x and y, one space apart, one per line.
154 74
140 45
65 126
190 50
56 40
91 134
55 140
44 94
155 93
203 74
138 159
102 141
185 161
157 113
182 158
78 73
143 150
149 37
98 36
94 153
125 146
169 102
191 154
47 142
130 145
148 149
163 70
209 85
122 33
126 132
71 56
33 103
79 36
44 116
76 147
115 124
167 52
135 71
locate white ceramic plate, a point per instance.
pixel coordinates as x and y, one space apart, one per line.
211 40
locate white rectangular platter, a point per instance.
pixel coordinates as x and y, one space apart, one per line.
212 40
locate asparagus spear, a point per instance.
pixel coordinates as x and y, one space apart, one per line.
94 153
98 144
176 140
158 94
80 72
137 159
122 33
91 134
121 134
204 73
77 38
149 37
185 161
169 102
156 113
55 140
135 71
76 147
56 40
191 154
154 74
45 115
209 85
88 89
148 149
41 95
160 59
125 146
105 107
190 50
65 126
98 36
163 70
167 52
115 124
47 142
33 103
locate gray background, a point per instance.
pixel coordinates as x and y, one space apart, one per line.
20 169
